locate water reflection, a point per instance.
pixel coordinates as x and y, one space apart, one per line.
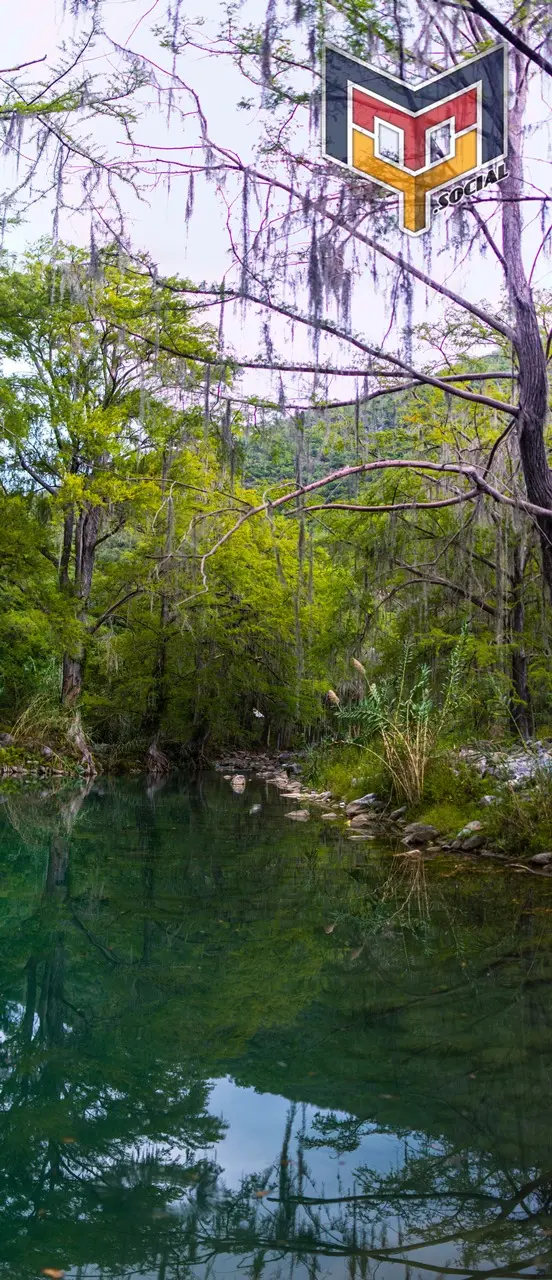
230 1048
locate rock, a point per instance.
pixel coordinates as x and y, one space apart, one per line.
298 815
398 813
368 801
238 783
47 753
354 808
356 835
361 820
473 842
469 829
6 740
516 766
255 808
541 859
419 833
488 800
327 817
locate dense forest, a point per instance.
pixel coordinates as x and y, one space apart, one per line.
123 466
339 537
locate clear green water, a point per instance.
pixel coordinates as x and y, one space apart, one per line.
201 1076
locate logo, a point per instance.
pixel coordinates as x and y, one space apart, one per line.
418 140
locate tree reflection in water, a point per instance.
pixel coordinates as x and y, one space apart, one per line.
154 942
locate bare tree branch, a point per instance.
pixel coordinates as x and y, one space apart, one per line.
386 506
510 36
328 327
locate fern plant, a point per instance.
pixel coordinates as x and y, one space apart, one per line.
400 723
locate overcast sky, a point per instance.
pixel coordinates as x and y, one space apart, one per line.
201 250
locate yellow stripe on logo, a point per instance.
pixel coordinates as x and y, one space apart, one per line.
415 186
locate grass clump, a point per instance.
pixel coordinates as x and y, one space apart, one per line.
401 721
345 770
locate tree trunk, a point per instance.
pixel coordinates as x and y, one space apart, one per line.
299 480
77 737
84 534
156 762
71 685
533 378
520 704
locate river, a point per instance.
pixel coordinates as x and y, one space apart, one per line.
234 1045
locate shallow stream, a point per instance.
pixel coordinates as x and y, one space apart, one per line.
234 1045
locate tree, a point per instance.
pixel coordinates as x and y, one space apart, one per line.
335 225
86 411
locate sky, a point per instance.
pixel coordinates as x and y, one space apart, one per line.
200 250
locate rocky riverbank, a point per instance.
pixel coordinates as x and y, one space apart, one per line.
370 818
516 765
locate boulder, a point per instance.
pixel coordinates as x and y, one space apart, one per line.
299 815
473 842
326 817
398 813
369 801
361 820
469 829
238 782
419 833
541 859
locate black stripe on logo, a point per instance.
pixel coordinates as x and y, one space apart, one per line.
489 68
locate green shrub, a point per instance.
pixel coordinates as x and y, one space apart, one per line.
400 722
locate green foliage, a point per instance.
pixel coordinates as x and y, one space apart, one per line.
400 724
346 770
103 423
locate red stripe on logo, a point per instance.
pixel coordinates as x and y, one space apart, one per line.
462 108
